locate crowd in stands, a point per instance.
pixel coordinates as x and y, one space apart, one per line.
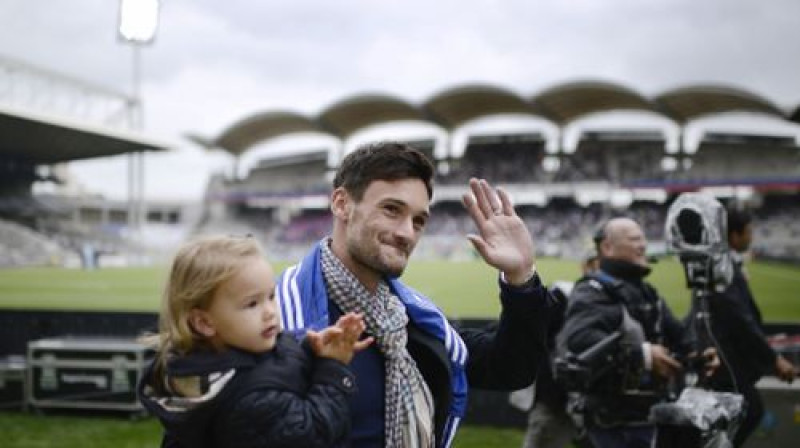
519 163
777 228
307 226
524 163
580 169
21 246
562 228
619 164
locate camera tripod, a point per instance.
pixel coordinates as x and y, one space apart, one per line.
695 419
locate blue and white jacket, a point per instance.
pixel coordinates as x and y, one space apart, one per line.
303 304
503 357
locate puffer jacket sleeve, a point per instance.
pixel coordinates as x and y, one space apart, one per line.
591 316
677 336
738 331
277 418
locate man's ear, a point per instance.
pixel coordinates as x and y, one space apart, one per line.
605 247
340 203
201 322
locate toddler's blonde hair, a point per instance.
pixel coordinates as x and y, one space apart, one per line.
199 268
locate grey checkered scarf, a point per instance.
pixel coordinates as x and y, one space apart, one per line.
409 406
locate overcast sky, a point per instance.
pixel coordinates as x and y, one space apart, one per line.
215 62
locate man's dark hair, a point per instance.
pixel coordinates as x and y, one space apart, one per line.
599 236
599 233
738 219
387 161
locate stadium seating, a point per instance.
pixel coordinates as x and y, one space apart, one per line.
21 246
283 201
563 223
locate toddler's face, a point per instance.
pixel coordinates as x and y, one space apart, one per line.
243 312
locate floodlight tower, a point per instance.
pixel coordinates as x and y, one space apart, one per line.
138 22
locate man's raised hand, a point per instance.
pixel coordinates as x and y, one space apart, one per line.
503 240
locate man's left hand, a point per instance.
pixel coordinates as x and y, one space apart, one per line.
712 362
504 241
784 369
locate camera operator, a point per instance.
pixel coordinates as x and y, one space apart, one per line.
616 406
737 326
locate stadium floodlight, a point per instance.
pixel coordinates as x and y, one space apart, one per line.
138 20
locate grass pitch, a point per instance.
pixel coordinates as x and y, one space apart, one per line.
463 289
33 431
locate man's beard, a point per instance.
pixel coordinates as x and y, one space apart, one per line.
374 260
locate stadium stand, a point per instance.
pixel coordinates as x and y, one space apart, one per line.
67 119
513 158
616 156
743 159
562 194
20 246
777 228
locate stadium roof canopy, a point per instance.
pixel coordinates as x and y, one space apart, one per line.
45 140
456 106
568 102
688 103
796 115
260 127
350 115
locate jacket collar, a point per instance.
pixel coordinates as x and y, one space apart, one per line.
624 270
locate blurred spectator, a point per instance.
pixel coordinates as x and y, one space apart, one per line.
737 327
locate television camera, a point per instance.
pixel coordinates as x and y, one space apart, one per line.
696 231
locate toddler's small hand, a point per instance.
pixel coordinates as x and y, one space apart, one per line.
340 341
